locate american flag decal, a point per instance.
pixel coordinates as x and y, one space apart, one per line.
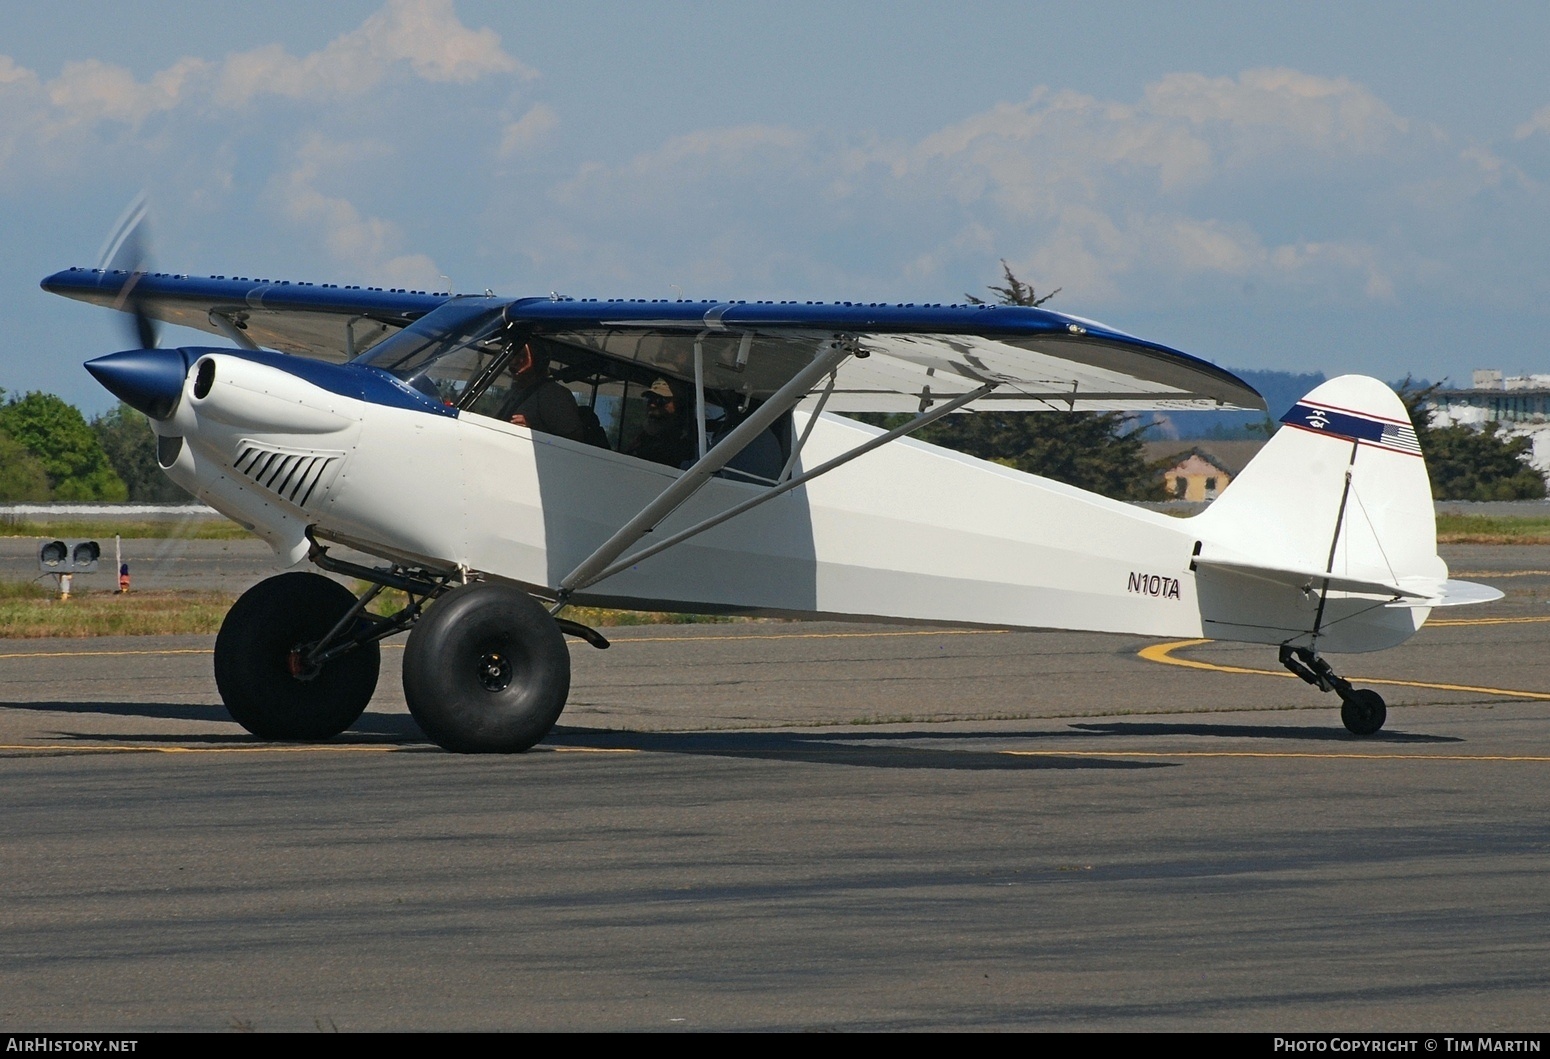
1400 437
1394 435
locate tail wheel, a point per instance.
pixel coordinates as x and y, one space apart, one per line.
260 668
1363 712
486 671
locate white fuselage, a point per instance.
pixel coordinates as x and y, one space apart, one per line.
908 532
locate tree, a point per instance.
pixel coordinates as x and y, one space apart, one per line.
125 436
57 435
1016 292
22 476
1469 464
1097 451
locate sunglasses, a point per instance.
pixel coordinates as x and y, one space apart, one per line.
656 400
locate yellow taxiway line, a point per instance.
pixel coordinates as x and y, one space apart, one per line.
1421 756
805 754
809 635
107 654
1445 622
1159 653
5 655
319 748
1163 653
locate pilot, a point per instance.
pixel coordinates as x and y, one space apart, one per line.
665 438
538 402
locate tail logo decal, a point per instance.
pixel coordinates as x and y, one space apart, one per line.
1354 426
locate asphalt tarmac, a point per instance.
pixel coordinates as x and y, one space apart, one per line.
793 826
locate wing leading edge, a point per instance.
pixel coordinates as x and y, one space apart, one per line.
323 321
908 357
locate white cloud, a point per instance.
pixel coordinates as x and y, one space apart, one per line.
1187 129
425 34
730 150
1110 196
713 160
1540 122
202 129
421 37
1351 259
1052 139
370 247
92 91
1284 106
528 130
1201 184
11 74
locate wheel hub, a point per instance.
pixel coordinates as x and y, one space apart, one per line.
298 665
494 671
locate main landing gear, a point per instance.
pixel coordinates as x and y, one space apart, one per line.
294 658
1361 709
486 669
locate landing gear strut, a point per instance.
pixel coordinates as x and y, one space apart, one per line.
298 655
295 658
1361 710
485 671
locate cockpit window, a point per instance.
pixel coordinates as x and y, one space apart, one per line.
464 354
445 351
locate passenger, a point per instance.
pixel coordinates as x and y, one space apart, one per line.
666 436
538 402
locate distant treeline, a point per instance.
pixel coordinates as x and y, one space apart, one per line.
1280 389
49 451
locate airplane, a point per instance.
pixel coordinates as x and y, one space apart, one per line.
376 420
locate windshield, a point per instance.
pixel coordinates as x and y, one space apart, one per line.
445 351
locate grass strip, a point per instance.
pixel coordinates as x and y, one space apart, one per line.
1493 529
30 611
1451 529
194 527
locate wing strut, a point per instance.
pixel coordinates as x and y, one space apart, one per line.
227 325
791 483
796 450
829 357
699 394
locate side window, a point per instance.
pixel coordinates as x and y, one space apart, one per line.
491 401
502 396
621 404
607 399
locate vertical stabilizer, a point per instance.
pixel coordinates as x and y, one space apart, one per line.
1340 490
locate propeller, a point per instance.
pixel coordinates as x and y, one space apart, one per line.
127 250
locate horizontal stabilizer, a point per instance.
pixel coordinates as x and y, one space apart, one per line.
1318 580
1453 594
1414 592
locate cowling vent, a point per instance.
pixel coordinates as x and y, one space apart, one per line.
296 475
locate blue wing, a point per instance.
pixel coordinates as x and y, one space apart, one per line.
908 356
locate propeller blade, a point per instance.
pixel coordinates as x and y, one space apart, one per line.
145 328
127 250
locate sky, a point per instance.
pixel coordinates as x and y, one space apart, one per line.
1290 186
